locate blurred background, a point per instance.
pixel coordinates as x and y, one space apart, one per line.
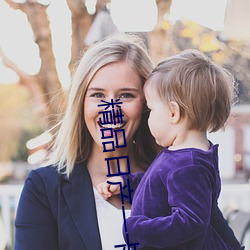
42 40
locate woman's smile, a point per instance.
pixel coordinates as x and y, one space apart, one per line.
113 126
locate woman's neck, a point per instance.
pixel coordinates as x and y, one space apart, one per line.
98 168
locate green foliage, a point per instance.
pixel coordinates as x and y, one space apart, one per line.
233 55
18 122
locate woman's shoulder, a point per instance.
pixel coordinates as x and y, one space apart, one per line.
51 169
44 177
45 172
49 175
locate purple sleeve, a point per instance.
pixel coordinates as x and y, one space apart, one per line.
190 193
134 180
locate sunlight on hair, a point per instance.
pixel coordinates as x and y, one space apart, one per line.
39 141
37 157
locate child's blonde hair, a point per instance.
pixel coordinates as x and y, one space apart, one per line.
203 90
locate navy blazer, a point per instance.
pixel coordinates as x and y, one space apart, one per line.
57 213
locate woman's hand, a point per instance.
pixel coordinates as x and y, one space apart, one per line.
110 187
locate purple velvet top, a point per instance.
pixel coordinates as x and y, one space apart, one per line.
174 201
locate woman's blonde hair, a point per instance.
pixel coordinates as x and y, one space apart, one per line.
203 90
73 142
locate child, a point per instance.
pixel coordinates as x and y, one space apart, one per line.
188 96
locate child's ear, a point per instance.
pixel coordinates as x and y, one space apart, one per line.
175 112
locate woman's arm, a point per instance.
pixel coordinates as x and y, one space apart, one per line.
221 226
35 225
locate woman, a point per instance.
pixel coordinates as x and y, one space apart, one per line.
59 207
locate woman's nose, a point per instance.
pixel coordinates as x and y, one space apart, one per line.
112 108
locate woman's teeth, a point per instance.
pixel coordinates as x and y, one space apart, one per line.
113 126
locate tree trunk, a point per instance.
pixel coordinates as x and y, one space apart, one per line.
81 22
46 81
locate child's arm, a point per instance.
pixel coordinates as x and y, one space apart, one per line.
133 179
107 189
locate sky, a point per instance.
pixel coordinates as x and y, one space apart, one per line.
16 40
16 45
16 37
207 13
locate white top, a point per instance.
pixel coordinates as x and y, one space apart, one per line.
110 220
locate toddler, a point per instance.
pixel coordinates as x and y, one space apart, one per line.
188 96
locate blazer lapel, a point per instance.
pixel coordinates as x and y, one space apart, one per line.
79 195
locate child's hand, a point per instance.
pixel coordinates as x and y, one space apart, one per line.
107 189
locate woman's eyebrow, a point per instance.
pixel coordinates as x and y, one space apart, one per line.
95 89
122 89
129 89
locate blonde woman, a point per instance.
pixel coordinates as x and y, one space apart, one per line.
59 207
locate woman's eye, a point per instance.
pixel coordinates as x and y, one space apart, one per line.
127 95
97 95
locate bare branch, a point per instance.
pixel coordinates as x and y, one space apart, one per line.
9 64
31 82
13 5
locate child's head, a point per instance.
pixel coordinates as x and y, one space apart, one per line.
203 90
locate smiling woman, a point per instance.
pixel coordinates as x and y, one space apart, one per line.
111 69
66 211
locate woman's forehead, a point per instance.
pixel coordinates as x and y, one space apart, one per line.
117 75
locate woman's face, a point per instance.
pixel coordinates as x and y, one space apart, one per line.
117 80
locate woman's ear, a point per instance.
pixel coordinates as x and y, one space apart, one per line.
174 112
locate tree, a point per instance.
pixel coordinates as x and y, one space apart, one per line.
165 40
45 86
